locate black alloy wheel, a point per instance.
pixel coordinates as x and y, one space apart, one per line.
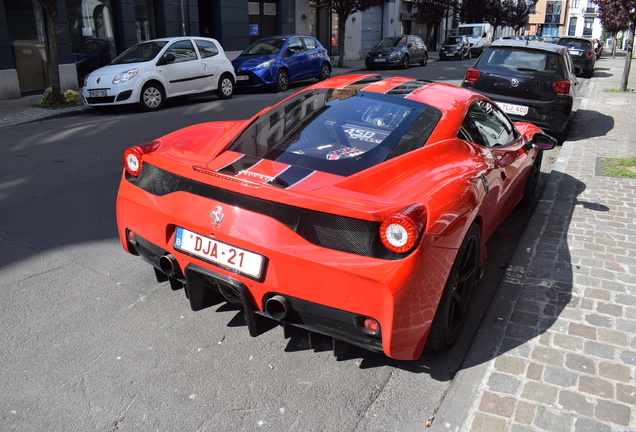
405 62
282 80
453 306
325 72
424 61
530 189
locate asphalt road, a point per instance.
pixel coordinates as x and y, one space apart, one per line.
92 343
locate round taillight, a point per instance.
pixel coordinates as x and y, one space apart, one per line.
472 75
401 231
133 155
132 161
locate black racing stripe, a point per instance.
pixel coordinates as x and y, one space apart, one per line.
290 177
241 164
408 87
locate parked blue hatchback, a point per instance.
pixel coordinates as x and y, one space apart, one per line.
278 60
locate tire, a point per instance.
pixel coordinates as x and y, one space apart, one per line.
424 61
225 90
405 62
152 97
470 54
451 311
325 72
530 190
282 80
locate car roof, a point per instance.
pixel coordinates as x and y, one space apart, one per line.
540 46
575 38
169 39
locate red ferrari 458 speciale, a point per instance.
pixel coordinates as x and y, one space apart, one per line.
358 209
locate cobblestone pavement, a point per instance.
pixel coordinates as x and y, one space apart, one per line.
557 349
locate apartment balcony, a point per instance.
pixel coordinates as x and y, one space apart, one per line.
590 12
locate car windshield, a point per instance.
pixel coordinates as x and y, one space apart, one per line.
264 47
523 60
452 40
470 31
575 43
392 42
142 52
339 131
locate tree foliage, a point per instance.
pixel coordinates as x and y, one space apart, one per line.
50 8
344 9
516 14
615 16
433 11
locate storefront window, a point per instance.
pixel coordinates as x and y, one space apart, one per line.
92 35
25 22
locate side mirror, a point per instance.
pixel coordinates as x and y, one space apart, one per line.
542 141
290 52
165 59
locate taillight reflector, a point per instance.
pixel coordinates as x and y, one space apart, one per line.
133 157
401 231
561 88
472 75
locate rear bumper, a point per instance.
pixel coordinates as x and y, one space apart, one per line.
329 292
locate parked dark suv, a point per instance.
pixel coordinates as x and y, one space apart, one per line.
397 51
532 82
582 53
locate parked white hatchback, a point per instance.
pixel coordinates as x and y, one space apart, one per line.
150 72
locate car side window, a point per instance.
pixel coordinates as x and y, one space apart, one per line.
183 51
206 48
296 44
310 43
486 125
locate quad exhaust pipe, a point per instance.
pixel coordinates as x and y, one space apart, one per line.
277 307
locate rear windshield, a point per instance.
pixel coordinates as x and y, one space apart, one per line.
142 52
575 43
264 47
523 60
339 131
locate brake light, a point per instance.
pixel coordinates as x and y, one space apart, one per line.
561 88
133 157
472 75
590 54
401 231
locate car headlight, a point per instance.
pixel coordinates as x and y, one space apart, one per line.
125 76
396 53
264 65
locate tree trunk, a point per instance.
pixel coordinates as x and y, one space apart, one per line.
54 68
342 21
628 60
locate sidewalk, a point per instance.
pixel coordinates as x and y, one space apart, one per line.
556 350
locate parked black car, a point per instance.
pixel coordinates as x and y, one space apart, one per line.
532 82
455 47
397 51
582 52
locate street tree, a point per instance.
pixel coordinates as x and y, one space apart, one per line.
517 14
344 9
431 12
620 15
474 11
50 8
